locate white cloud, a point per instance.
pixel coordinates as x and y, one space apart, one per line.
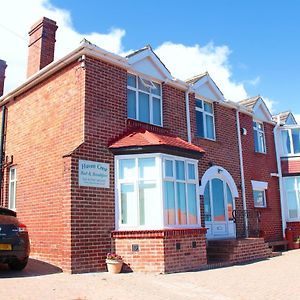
183 61
254 82
14 31
271 104
187 61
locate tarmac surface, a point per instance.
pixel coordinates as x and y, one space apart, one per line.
275 278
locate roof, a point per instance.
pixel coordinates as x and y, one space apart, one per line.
194 79
283 117
250 102
142 138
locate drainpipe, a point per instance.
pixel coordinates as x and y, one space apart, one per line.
1 147
282 206
188 118
242 167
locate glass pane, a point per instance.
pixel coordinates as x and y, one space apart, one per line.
292 204
144 109
147 195
256 142
262 147
127 168
147 169
12 174
208 107
181 203
218 200
298 183
290 183
169 168
192 203
207 208
260 126
12 195
142 87
286 143
131 104
156 91
296 140
156 111
131 80
199 123
180 170
259 198
229 203
169 192
191 172
209 127
128 204
198 103
254 125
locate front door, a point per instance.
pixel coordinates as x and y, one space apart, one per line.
218 207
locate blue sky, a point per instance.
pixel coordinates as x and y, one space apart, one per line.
251 47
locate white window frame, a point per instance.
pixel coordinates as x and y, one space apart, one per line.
204 112
160 159
259 186
10 191
151 96
256 132
296 189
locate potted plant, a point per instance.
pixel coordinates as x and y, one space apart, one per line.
297 243
114 263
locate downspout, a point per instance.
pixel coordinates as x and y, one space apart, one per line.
1 148
188 117
282 206
242 168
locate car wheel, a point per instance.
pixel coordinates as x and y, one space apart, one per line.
18 265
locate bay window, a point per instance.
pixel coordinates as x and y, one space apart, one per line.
292 194
144 101
290 141
259 137
205 119
156 191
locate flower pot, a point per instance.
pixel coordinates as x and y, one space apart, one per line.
296 245
114 266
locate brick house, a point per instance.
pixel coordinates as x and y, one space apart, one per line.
108 153
287 136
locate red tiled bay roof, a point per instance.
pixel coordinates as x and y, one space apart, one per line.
143 137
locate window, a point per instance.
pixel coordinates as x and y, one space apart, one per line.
144 101
259 137
205 119
292 191
180 196
259 198
12 188
259 193
157 191
291 141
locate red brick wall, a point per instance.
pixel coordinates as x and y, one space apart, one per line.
157 250
43 125
295 226
258 166
290 166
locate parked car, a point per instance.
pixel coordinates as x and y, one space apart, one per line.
14 240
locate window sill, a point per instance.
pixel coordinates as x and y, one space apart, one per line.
260 153
206 140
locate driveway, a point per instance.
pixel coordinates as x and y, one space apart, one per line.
276 278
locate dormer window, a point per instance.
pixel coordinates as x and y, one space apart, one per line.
144 101
205 119
259 137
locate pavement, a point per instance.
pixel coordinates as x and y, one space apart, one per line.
275 278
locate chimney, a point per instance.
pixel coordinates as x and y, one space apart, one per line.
41 45
2 75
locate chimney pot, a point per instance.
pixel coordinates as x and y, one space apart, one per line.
3 66
41 45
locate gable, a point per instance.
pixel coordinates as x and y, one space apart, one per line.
146 62
206 87
261 111
290 120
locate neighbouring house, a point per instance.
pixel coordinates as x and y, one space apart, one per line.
288 156
107 153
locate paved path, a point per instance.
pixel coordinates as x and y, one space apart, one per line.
277 278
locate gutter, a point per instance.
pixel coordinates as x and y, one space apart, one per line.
238 127
2 149
282 204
